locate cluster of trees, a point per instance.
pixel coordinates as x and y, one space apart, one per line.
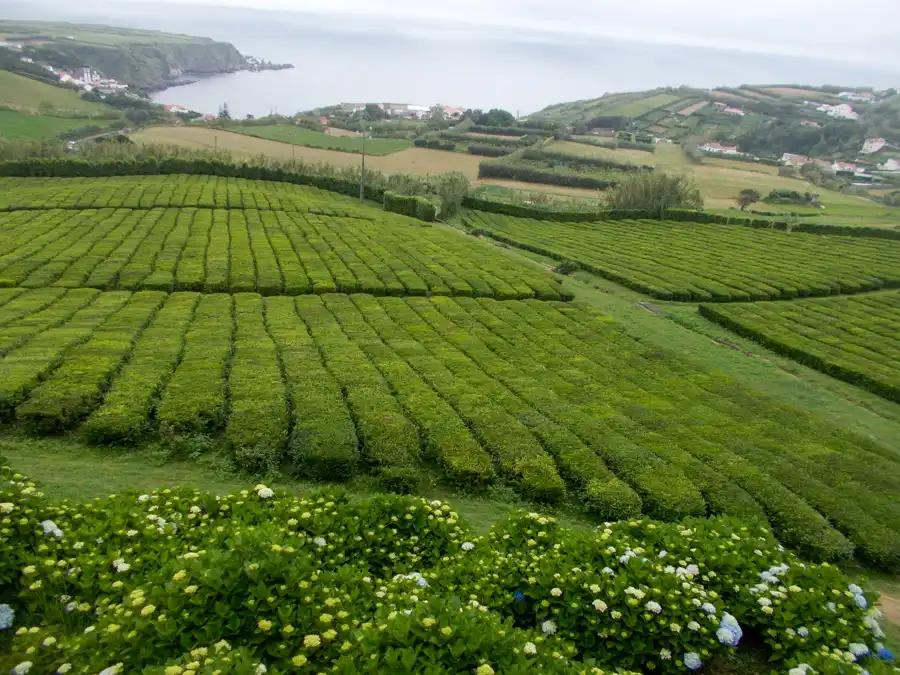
655 192
776 137
495 117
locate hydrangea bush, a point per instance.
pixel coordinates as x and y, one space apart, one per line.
179 582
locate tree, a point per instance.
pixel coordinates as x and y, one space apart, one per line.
249 117
656 192
495 117
748 197
45 107
373 113
452 187
223 112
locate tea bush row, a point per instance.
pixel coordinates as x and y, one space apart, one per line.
856 339
272 252
706 262
550 399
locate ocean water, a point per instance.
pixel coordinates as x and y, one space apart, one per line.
357 58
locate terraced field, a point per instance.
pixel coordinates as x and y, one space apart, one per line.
147 309
693 261
855 338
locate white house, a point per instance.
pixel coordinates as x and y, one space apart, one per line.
789 159
26 59
863 97
453 113
891 165
719 149
844 167
873 145
734 111
844 111
810 123
421 112
65 77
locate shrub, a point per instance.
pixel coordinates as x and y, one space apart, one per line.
655 192
412 206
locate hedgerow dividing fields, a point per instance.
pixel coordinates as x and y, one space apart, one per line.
273 252
706 262
854 338
543 395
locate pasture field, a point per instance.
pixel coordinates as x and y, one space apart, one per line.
291 133
304 250
545 396
693 261
640 106
624 155
856 338
22 126
23 93
418 161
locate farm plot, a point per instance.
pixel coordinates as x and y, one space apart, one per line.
543 396
273 252
856 338
693 261
177 190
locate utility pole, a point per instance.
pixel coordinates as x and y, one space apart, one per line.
362 176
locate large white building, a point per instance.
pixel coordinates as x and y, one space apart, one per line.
873 145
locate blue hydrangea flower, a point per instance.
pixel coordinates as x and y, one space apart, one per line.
692 661
861 601
6 616
519 596
885 654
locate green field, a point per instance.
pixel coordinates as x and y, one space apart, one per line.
641 106
694 261
856 339
90 34
625 155
287 133
20 126
26 94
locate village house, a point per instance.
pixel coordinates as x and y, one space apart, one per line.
891 165
719 149
873 145
844 167
734 111
789 159
810 123
175 108
844 111
861 96
453 113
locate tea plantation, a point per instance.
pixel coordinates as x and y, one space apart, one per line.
306 336
706 262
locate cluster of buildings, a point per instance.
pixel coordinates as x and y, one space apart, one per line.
719 149
728 110
89 80
408 110
842 111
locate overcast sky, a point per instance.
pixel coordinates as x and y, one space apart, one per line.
861 32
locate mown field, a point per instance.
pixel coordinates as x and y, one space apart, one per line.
693 261
301 250
624 155
856 338
419 161
290 133
24 93
22 126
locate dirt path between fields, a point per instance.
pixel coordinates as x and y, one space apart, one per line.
891 608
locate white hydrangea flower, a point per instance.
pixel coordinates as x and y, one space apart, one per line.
694 626
665 654
467 546
654 607
264 493
764 602
692 661
143 498
530 648
319 541
121 565
49 527
709 608
556 592
599 605
548 627
22 668
7 507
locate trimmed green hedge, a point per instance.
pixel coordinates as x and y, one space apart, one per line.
435 144
487 150
499 131
412 206
680 215
529 174
579 161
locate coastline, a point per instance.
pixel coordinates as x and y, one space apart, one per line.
200 76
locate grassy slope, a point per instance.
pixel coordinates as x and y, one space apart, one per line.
24 93
19 126
93 34
620 155
287 133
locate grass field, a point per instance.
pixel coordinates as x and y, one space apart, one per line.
692 261
21 126
856 339
638 107
413 160
624 155
91 34
26 94
289 133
